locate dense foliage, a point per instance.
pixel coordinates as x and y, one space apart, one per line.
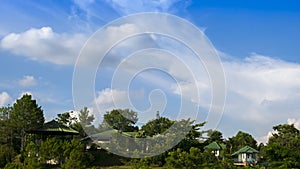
19 149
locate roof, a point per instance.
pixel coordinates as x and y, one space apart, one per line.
55 128
246 149
215 146
108 134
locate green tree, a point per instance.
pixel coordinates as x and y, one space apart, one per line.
214 135
85 118
240 140
193 135
31 156
156 126
73 155
66 118
51 149
123 120
5 128
283 148
7 154
26 115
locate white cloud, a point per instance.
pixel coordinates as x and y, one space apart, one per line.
5 98
44 45
294 121
27 81
264 139
107 100
262 82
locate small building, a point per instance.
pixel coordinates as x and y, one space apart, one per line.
54 128
246 156
215 148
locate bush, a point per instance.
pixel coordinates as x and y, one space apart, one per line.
7 154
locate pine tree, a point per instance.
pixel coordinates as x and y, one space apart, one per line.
26 115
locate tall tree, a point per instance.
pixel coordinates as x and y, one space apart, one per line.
85 118
283 148
84 125
123 120
5 129
26 115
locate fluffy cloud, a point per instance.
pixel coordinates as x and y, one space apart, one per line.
264 139
294 121
27 81
5 98
107 100
44 45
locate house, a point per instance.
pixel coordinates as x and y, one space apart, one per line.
215 148
246 156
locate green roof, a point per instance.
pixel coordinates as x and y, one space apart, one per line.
55 128
108 133
246 149
215 146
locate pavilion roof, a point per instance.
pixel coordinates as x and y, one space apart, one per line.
55 128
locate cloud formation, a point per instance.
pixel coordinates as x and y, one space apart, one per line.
5 99
27 81
44 45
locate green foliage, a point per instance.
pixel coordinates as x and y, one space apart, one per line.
85 127
51 149
156 126
31 156
142 163
192 132
194 158
74 155
240 140
84 118
66 118
7 154
26 115
13 166
5 127
122 120
283 149
190 160
214 135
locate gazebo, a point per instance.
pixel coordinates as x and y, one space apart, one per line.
54 128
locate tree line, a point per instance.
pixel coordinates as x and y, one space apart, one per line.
18 149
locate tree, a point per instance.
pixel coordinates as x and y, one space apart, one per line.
66 118
84 118
5 129
283 149
192 137
214 135
84 123
6 154
156 126
31 156
240 140
26 115
123 120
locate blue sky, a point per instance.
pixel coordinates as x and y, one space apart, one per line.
257 41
